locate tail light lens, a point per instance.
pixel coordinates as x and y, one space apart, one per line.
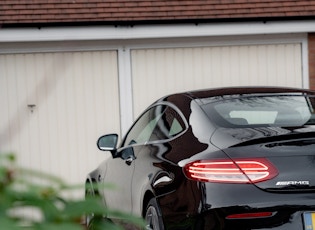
250 215
229 171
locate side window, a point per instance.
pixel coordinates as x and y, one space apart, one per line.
143 128
176 128
159 123
169 125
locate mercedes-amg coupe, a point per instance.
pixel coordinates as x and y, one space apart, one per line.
217 159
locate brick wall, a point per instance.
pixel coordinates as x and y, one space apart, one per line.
311 58
114 11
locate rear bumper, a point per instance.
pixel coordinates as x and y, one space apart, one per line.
283 219
207 206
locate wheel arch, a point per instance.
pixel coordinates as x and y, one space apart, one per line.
147 197
89 183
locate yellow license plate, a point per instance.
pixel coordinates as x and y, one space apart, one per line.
309 220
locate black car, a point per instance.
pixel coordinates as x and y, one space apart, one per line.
226 158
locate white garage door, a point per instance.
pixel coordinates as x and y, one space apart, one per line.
156 72
54 106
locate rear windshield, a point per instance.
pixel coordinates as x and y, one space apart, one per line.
259 111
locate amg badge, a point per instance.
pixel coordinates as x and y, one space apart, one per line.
285 183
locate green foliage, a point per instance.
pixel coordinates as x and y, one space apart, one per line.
25 189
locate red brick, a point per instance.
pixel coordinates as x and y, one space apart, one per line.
154 9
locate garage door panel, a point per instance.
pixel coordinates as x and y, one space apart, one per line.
156 72
72 92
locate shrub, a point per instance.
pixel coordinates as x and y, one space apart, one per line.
22 190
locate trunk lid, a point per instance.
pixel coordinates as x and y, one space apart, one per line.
291 152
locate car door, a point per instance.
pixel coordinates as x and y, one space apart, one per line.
117 180
119 171
149 170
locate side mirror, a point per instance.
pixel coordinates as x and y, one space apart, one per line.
108 142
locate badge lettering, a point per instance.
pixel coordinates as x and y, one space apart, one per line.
286 183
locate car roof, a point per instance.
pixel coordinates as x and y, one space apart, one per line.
205 93
184 98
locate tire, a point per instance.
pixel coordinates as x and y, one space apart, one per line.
92 221
96 221
153 216
89 217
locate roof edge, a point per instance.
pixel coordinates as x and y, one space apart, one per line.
158 31
132 23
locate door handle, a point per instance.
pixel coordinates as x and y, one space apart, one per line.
129 160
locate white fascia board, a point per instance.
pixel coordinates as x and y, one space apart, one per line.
153 31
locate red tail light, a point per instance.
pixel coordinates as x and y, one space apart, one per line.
228 171
250 215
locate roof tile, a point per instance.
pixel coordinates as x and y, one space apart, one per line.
59 11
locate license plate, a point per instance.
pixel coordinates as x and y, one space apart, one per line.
309 220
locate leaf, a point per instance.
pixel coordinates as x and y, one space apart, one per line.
22 188
7 223
59 226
